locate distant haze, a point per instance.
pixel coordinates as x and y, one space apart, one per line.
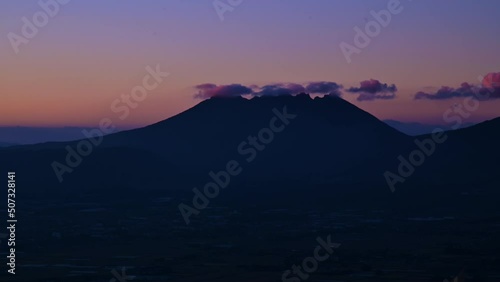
32 135
415 128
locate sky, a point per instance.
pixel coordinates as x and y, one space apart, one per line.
84 55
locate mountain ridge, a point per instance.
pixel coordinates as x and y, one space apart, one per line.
328 138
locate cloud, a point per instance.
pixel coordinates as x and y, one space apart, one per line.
490 89
445 92
374 96
369 90
209 90
280 89
373 89
324 87
491 80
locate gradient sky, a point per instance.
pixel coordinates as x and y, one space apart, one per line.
92 51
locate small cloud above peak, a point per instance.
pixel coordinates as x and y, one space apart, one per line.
280 89
372 89
369 90
324 87
209 90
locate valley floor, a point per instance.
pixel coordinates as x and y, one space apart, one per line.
86 240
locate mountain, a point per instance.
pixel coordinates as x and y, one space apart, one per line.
33 135
465 163
7 144
314 140
469 156
323 137
415 128
326 135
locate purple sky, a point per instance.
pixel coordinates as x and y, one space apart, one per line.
90 53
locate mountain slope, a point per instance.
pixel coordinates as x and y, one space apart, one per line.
466 162
6 144
327 135
416 129
322 138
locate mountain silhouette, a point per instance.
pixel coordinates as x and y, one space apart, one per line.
6 144
328 139
327 135
416 129
468 158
